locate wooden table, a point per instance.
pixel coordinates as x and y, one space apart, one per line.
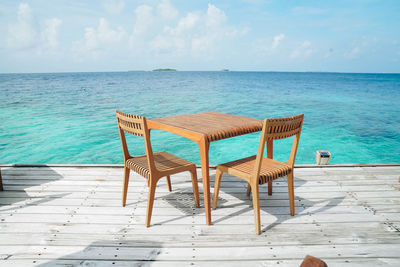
204 128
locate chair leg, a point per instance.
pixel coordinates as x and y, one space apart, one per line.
256 207
248 190
195 187
125 185
169 183
217 183
150 201
270 187
291 192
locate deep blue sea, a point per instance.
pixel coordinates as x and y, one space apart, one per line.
70 117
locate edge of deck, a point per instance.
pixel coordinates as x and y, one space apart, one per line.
198 166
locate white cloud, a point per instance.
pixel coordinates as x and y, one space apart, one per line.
196 33
144 19
264 46
99 40
277 39
216 31
176 39
160 33
166 10
107 35
50 33
165 44
186 23
90 42
144 28
103 35
303 51
202 43
113 7
24 33
215 16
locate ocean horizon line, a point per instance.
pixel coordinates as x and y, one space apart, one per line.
177 70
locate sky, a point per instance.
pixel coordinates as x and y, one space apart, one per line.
240 35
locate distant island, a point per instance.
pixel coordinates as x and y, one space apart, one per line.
224 70
164 70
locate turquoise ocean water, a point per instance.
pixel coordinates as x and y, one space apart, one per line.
69 117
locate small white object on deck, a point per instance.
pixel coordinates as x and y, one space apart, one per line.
323 157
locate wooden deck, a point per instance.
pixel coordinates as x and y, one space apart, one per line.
72 216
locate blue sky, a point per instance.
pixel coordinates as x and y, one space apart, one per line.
274 35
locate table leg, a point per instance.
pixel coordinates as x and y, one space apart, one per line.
270 151
204 146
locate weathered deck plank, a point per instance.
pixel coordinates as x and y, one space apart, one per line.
72 216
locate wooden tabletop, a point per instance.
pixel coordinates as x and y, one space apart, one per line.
212 125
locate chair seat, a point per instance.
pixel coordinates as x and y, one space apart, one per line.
164 161
270 169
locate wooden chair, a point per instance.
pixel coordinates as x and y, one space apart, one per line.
152 166
259 170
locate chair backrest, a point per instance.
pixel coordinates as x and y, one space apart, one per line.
283 127
278 129
135 125
132 124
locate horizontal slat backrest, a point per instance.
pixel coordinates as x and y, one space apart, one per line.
283 127
132 124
